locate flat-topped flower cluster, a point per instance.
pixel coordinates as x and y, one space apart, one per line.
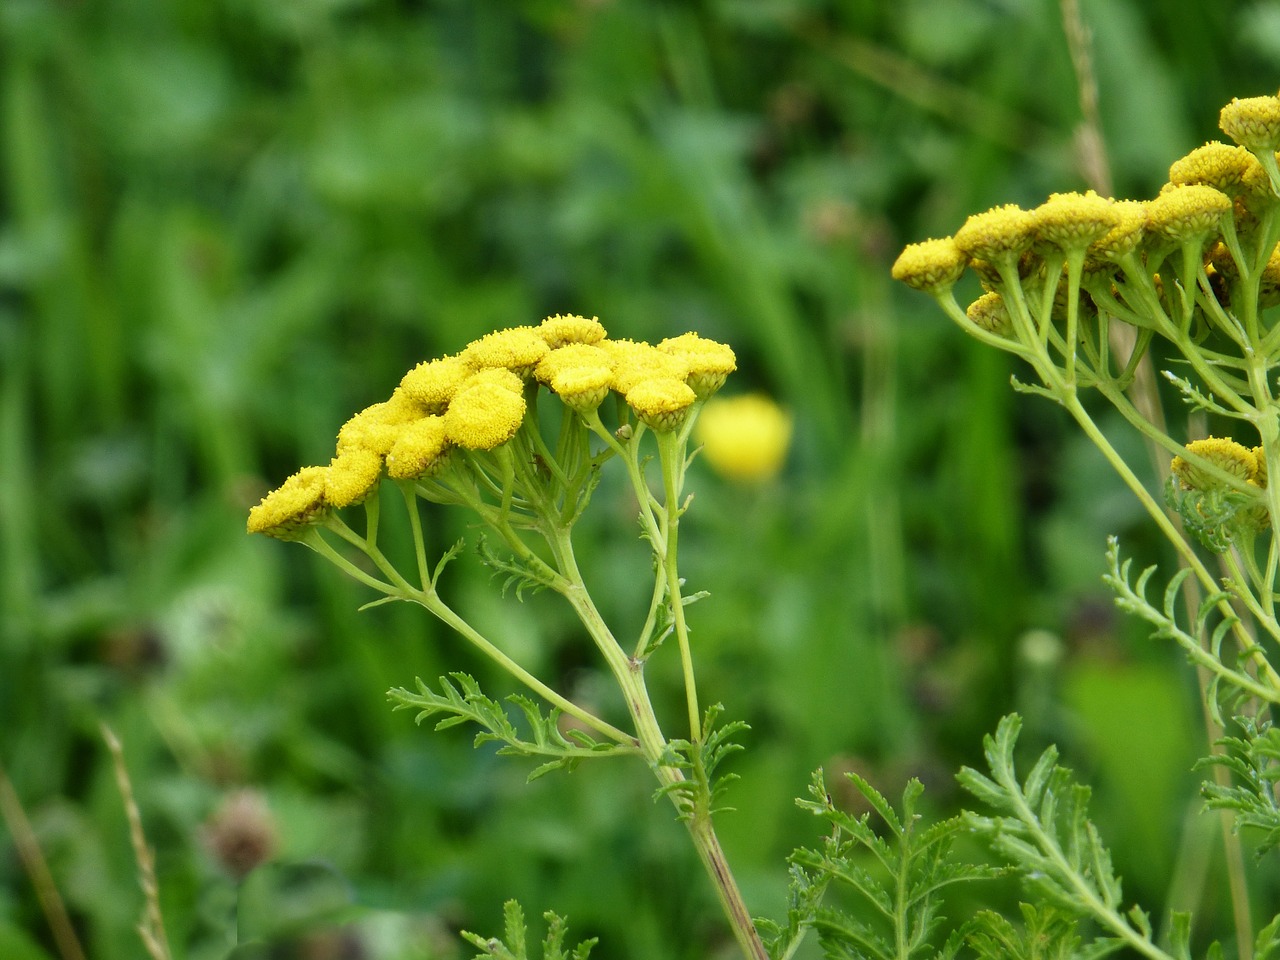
1197 266
478 399
1206 224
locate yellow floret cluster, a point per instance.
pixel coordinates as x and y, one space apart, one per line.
478 399
1218 190
1232 458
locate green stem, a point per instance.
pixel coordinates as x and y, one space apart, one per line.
629 674
671 455
1179 542
432 602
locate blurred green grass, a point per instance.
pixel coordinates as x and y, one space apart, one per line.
225 226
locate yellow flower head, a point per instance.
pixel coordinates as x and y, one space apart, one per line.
351 476
1071 221
1227 455
1186 212
1260 478
745 437
1125 235
709 362
486 411
582 387
1253 122
989 313
1256 183
662 403
634 361
376 427
930 265
289 508
518 349
433 383
419 451
570 328
570 356
998 233
1269 285
1217 165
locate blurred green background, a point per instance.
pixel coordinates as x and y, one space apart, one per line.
225 225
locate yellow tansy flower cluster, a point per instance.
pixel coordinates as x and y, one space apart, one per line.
478 399
1219 191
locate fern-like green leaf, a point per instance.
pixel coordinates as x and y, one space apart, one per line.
514 945
699 793
1053 847
461 701
896 872
1254 761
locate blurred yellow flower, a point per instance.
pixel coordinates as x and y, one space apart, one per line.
744 437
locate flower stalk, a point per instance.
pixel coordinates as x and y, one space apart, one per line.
465 431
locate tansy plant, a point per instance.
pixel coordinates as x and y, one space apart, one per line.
516 429
1088 290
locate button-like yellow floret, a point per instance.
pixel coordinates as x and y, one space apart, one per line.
930 265
1186 212
290 507
997 234
1071 221
419 450
662 403
570 328
709 362
486 412
634 361
1253 122
351 476
1227 455
517 349
433 383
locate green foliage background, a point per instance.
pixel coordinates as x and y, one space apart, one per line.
225 225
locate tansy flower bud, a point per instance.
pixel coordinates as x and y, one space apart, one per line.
930 265
1217 165
486 411
295 503
569 328
1253 122
419 450
351 476
709 363
988 312
570 356
433 383
1125 235
997 234
518 349
1260 456
1072 221
1187 212
1229 456
745 437
582 388
662 403
376 427
634 361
